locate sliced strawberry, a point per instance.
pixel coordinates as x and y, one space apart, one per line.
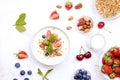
68 5
48 34
22 55
54 15
57 43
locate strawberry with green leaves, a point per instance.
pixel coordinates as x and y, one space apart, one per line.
115 51
116 63
68 5
108 61
22 55
107 69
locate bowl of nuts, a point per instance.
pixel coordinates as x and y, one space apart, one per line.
85 24
108 9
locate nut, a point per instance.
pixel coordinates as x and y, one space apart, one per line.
58 6
70 18
85 24
79 6
69 28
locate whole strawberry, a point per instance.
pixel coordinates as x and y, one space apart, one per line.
68 5
22 55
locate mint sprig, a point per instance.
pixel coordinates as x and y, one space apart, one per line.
20 22
44 76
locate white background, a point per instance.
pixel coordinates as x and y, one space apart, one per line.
37 17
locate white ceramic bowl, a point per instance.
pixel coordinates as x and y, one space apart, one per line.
105 75
38 52
100 16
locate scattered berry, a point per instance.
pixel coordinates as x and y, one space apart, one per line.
29 72
87 54
26 79
17 65
80 57
43 36
46 54
22 55
22 72
101 25
68 5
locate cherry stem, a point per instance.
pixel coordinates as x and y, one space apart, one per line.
83 49
107 30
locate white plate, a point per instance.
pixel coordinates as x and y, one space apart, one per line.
105 75
37 51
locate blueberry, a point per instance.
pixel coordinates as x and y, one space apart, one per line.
17 65
43 36
84 72
15 79
26 79
29 72
76 77
46 54
88 77
84 76
22 72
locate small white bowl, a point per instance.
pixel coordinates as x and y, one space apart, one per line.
97 42
39 53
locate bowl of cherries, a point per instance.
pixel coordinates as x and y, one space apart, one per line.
81 56
82 74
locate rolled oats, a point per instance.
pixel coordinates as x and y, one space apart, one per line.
108 8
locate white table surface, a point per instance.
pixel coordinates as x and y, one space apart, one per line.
37 17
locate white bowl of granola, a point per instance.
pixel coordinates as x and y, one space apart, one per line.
50 45
108 9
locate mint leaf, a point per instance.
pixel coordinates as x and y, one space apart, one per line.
20 22
21 19
48 71
50 48
40 72
52 38
20 28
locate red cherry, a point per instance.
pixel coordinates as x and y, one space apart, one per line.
80 57
101 24
87 54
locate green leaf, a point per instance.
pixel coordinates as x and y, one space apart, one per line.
20 28
52 38
45 42
21 19
40 72
50 48
47 72
21 22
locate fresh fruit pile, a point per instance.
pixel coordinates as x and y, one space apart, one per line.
51 44
86 55
82 75
22 72
111 63
85 24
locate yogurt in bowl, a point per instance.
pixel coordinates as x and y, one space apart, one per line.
97 42
50 45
